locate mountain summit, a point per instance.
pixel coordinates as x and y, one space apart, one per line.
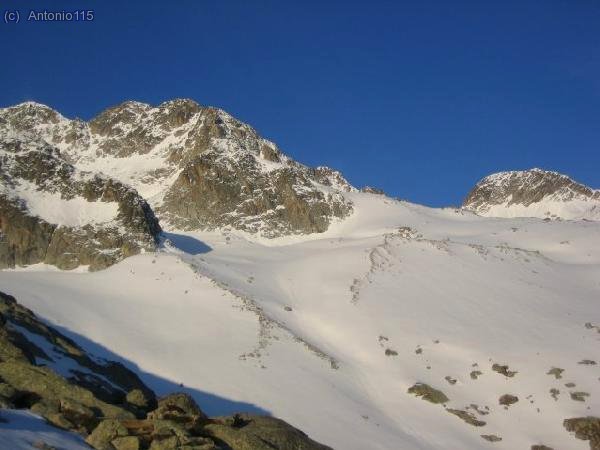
533 193
198 168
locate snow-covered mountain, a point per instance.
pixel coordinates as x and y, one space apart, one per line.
198 167
533 193
367 322
54 212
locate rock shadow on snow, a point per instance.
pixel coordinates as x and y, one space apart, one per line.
211 404
185 243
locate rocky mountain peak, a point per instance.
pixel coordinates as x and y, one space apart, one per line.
29 115
196 167
535 193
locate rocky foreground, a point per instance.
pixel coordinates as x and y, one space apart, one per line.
49 374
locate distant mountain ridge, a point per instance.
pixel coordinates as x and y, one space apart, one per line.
91 193
533 193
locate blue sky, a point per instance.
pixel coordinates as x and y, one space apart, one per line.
419 98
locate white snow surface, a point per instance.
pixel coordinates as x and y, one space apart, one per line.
74 212
22 430
298 327
548 208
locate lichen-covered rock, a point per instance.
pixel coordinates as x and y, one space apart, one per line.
508 399
178 407
467 417
106 432
250 432
585 428
428 393
504 370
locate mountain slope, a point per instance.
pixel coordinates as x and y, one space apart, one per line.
533 193
52 212
198 167
337 331
52 376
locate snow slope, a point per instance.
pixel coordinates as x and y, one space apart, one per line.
328 331
75 212
22 430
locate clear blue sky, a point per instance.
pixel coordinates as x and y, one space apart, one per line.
419 98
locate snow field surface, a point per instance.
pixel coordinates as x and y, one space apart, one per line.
299 326
22 430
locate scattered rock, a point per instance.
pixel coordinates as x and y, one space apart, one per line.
428 393
479 411
579 396
467 417
450 380
491 437
475 374
585 428
554 393
504 370
591 326
556 371
508 399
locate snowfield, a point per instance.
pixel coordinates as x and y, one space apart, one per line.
22 430
74 212
329 331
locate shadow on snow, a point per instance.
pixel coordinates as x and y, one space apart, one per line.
212 405
185 243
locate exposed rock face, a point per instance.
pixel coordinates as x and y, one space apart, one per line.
533 193
46 372
52 212
198 167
